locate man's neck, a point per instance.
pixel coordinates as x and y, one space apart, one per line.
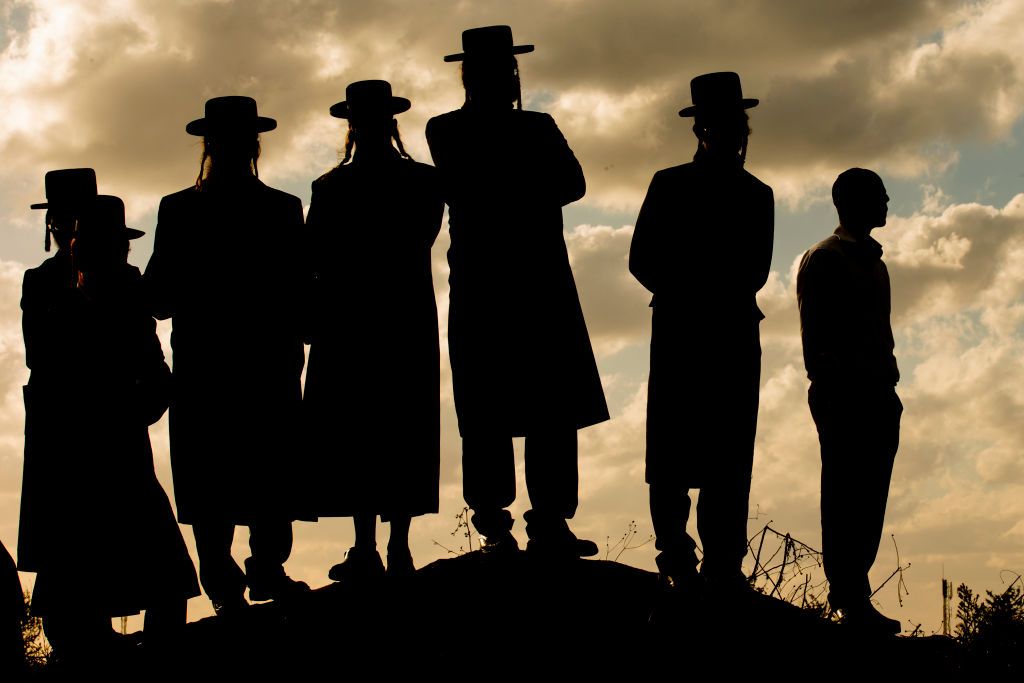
848 234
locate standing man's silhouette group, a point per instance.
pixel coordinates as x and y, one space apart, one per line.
244 439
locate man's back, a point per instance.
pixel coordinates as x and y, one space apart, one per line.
844 298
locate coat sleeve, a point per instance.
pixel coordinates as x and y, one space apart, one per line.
645 250
431 209
159 277
152 377
564 173
816 299
310 258
32 319
765 241
297 273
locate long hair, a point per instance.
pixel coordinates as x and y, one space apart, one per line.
350 143
206 162
701 125
471 79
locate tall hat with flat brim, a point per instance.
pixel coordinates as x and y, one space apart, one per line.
104 219
369 100
717 93
231 113
71 188
488 41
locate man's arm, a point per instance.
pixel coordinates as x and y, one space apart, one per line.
645 252
816 298
764 238
566 174
159 276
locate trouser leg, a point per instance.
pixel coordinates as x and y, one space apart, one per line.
398 540
722 509
270 544
552 480
165 621
859 437
221 577
366 531
73 632
670 510
489 482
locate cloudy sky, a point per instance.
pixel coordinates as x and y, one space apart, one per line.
930 94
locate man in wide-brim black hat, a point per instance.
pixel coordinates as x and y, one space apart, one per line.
374 218
522 363
226 269
69 192
97 371
702 245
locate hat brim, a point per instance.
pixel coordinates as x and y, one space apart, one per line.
201 127
44 205
341 110
132 233
516 50
693 110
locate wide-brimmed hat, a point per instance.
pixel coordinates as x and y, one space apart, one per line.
104 219
717 93
488 41
230 113
369 99
71 188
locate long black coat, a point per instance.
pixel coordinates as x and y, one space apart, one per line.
226 268
372 399
703 246
95 523
520 352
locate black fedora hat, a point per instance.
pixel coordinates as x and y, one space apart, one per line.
105 218
488 41
717 93
369 99
231 112
69 187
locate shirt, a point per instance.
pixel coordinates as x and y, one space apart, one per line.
844 296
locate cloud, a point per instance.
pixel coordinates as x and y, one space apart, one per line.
111 84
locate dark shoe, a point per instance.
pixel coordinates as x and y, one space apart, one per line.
500 544
281 587
359 565
678 571
229 607
863 617
400 564
562 547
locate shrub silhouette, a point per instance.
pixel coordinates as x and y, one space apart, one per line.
991 630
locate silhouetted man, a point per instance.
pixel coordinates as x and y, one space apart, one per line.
703 247
522 364
226 269
96 525
843 291
374 219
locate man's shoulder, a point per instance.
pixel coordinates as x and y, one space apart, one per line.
828 250
443 122
181 197
828 246
533 118
332 176
278 197
757 184
675 173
